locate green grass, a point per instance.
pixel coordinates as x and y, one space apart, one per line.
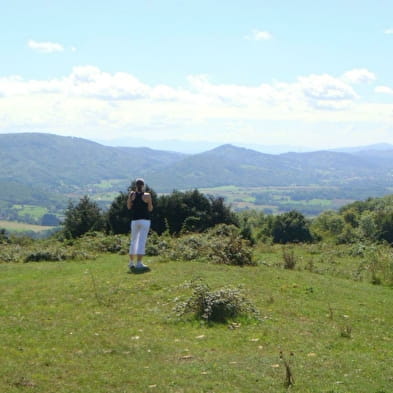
35 212
14 226
278 199
88 326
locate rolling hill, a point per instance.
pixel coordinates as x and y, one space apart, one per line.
231 165
63 164
36 168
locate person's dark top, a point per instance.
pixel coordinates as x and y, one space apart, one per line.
140 208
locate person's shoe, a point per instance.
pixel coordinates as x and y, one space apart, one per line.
139 268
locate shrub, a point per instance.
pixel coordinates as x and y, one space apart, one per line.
222 244
189 247
219 306
289 258
157 245
230 250
4 236
99 242
54 254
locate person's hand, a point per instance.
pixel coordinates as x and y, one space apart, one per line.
132 195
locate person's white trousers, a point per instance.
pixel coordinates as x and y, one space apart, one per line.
139 232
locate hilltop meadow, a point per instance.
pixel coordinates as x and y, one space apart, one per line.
247 302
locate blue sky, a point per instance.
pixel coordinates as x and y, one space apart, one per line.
310 73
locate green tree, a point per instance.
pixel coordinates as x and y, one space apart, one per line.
290 227
368 226
384 222
328 224
191 211
83 217
50 220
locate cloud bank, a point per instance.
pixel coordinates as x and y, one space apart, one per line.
96 104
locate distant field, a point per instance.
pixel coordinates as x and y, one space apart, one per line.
35 212
13 226
310 200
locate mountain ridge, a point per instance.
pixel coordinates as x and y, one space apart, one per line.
59 163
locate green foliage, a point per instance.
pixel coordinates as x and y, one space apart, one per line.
55 254
328 224
49 220
227 246
157 244
384 223
118 216
98 242
222 244
219 306
290 227
175 213
4 236
190 211
24 249
289 258
83 217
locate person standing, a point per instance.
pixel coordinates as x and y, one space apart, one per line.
140 203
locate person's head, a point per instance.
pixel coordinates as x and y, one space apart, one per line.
140 184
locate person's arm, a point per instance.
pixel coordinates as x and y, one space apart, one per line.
130 200
149 202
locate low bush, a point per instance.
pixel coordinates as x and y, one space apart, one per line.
222 244
57 254
188 248
99 242
219 305
157 245
289 258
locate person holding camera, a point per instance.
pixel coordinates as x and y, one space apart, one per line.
141 205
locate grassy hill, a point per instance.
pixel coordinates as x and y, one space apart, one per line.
90 327
65 163
231 165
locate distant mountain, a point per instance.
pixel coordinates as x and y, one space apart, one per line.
231 165
59 163
225 165
63 164
375 147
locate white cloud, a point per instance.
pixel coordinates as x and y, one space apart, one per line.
93 103
383 90
258 35
359 75
389 31
45 47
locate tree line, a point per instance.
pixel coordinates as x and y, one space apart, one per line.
192 211
189 211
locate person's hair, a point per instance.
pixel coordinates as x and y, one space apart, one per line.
139 184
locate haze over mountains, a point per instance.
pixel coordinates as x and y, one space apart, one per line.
63 164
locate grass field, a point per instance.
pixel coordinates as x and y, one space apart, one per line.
35 212
13 226
88 326
279 199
